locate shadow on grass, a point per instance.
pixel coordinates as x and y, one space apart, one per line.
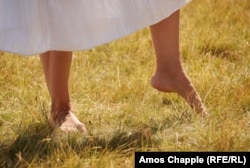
31 142
39 143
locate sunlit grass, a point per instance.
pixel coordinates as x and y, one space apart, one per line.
111 93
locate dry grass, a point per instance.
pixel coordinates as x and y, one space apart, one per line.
112 95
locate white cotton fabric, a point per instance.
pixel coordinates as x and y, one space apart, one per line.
29 27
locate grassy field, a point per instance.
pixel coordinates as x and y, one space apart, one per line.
111 94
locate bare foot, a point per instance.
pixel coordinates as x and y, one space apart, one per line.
68 122
181 85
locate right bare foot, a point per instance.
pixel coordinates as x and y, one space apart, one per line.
67 122
181 85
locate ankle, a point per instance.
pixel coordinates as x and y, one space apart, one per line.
171 81
59 109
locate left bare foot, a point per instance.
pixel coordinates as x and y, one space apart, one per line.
180 84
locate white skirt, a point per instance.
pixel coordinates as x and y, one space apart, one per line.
29 27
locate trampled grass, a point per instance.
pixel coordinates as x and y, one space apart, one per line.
111 94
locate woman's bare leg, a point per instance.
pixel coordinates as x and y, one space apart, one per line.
56 67
169 75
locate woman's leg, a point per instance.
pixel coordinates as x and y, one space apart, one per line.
56 67
169 75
